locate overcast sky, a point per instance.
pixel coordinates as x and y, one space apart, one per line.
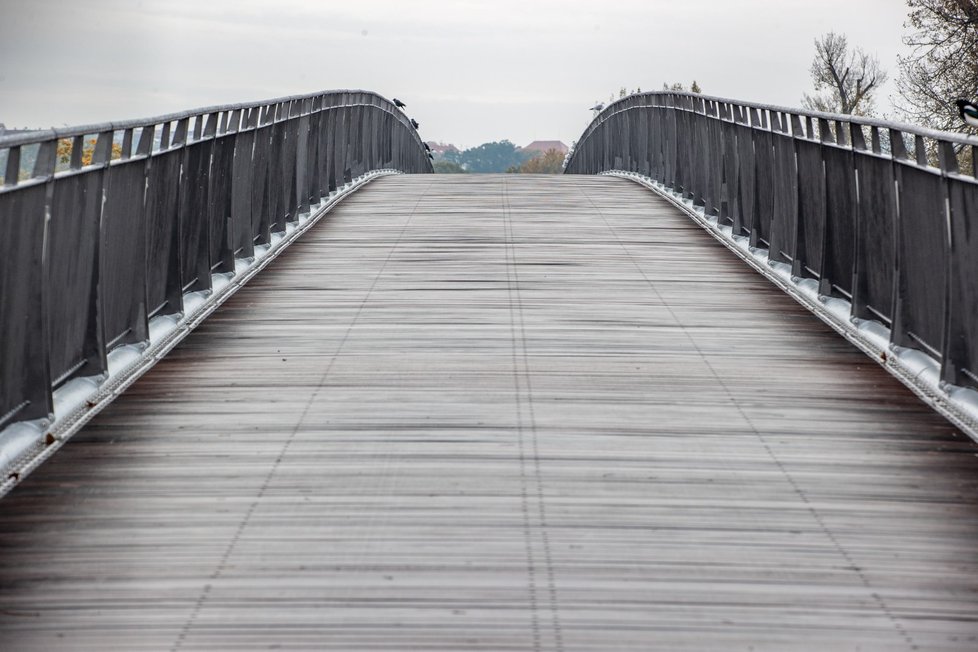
470 71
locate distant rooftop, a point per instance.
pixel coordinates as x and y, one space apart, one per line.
544 145
441 148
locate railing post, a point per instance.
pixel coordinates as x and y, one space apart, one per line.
950 351
860 304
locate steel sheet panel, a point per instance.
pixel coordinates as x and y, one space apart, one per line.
961 348
875 256
811 207
922 255
164 290
122 259
71 283
839 248
24 376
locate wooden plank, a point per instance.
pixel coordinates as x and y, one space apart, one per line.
502 412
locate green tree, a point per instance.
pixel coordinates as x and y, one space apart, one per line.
448 167
65 147
490 157
550 162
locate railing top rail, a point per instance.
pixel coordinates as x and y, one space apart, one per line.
42 135
947 136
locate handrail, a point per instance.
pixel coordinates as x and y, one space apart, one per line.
92 250
40 135
876 213
864 121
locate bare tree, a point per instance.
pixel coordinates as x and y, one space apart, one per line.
943 65
845 80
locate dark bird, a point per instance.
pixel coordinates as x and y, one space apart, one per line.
431 157
968 111
426 146
399 104
597 107
415 123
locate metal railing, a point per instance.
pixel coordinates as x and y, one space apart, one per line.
877 213
103 227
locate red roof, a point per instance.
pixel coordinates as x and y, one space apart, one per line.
544 145
441 148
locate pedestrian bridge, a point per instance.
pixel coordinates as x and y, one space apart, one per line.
502 412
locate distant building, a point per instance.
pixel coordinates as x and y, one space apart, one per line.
543 146
440 149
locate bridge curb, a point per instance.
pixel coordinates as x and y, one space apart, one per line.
25 445
920 372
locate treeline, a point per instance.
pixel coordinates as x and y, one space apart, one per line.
549 162
499 156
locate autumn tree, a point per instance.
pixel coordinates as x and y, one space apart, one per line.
550 162
65 148
488 157
845 80
943 63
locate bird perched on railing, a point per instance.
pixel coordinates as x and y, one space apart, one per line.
399 104
414 123
426 146
968 111
598 107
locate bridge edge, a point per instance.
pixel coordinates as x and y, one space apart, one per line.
918 371
78 402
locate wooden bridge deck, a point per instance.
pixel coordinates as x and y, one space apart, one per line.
502 412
